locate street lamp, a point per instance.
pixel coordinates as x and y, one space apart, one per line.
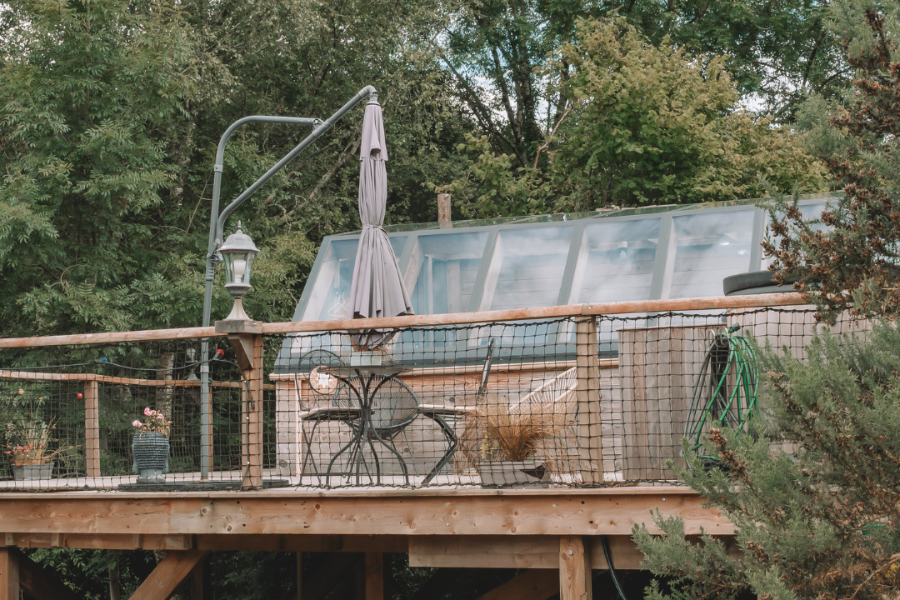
238 252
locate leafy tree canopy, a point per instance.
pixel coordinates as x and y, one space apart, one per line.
642 123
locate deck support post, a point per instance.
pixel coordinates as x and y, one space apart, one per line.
374 576
9 574
588 430
198 581
168 575
574 568
299 595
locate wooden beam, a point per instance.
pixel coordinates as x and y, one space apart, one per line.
522 314
574 569
92 428
572 310
168 575
186 383
9 574
530 585
514 552
374 576
116 541
588 431
563 512
42 583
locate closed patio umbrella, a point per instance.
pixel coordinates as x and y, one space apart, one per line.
377 289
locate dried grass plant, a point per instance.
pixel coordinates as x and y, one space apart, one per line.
501 431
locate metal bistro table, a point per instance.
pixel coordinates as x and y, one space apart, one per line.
367 421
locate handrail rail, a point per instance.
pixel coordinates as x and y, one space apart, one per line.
519 314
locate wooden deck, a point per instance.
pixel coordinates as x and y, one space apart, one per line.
553 533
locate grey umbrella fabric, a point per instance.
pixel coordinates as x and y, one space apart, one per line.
377 289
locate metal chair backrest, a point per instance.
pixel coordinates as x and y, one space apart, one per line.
485 373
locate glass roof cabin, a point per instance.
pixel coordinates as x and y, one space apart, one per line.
538 261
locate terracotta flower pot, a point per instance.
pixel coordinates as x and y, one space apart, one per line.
151 456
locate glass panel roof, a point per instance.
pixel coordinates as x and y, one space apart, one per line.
709 248
331 288
616 261
449 265
527 268
544 260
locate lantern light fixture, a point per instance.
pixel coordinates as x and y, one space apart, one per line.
238 253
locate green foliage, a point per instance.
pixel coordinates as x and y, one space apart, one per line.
848 260
110 111
642 124
818 522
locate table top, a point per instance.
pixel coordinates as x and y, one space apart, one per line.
383 370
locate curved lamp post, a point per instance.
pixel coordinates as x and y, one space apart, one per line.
215 247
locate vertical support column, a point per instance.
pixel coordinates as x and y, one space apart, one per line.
9 574
574 569
588 431
299 595
252 413
374 576
198 580
92 428
443 201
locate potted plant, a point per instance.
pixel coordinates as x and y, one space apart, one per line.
150 447
503 441
30 441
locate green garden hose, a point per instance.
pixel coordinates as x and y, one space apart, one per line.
726 390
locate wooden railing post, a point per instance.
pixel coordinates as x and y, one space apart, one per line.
253 415
247 340
92 428
588 430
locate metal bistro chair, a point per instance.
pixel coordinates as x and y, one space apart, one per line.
394 407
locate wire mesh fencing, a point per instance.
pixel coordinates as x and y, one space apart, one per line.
576 401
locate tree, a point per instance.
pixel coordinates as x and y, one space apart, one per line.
778 52
110 112
821 522
853 262
641 124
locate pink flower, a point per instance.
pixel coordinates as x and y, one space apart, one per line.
136 423
160 416
147 411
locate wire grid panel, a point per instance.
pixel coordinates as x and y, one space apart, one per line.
581 401
70 414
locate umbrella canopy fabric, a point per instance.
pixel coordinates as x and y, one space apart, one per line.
377 289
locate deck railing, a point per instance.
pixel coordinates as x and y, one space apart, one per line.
584 395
